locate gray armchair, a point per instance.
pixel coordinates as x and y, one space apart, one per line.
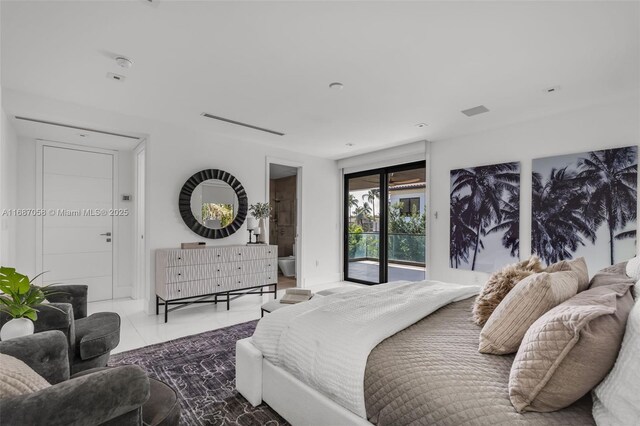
90 338
108 396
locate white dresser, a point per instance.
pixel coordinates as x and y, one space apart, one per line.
224 272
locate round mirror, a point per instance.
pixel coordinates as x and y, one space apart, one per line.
213 203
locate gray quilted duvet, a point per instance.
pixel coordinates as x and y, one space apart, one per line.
432 374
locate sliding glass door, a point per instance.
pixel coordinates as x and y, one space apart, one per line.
385 214
406 224
362 228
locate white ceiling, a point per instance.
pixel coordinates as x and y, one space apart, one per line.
84 137
270 63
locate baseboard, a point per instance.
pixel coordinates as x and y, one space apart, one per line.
324 279
122 292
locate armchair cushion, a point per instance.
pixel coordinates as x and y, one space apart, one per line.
54 316
46 353
97 334
16 378
92 399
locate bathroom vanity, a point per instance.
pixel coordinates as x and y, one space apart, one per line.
214 274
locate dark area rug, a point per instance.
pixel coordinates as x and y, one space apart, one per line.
201 368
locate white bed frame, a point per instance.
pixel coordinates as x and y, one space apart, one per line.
259 380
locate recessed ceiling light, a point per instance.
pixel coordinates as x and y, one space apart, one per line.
349 144
336 86
124 62
552 89
421 125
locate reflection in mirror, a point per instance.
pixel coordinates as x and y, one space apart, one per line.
214 204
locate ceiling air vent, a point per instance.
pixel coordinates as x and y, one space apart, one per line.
481 109
69 126
238 123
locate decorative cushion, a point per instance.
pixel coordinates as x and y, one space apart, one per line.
633 268
97 334
616 401
570 349
608 278
579 266
499 284
17 378
527 302
618 268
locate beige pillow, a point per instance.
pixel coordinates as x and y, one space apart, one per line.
499 284
579 266
17 378
602 279
570 349
527 302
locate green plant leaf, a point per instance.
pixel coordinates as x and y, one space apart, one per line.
20 297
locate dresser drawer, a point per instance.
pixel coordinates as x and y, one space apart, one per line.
197 288
251 280
185 273
177 257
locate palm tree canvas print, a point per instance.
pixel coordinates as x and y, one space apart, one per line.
485 217
586 205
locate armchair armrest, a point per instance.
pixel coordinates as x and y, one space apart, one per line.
46 353
91 399
76 295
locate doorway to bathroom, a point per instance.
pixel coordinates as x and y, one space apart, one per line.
284 229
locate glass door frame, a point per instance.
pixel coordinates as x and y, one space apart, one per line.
383 175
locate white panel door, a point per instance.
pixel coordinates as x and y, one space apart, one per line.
77 245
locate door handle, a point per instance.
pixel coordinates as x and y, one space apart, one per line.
106 234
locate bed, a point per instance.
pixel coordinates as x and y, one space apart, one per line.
427 372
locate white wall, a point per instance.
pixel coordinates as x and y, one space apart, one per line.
598 127
175 153
8 191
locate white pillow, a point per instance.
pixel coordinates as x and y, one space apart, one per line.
633 268
616 400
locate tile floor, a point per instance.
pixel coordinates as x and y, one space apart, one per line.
139 329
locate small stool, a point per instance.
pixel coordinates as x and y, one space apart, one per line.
271 306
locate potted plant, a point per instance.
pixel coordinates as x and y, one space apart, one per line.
20 300
261 211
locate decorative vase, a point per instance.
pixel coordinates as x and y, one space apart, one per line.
263 232
17 327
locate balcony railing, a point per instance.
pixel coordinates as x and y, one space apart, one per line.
403 248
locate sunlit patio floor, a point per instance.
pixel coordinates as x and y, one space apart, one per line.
367 270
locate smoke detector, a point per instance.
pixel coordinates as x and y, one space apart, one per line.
124 62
